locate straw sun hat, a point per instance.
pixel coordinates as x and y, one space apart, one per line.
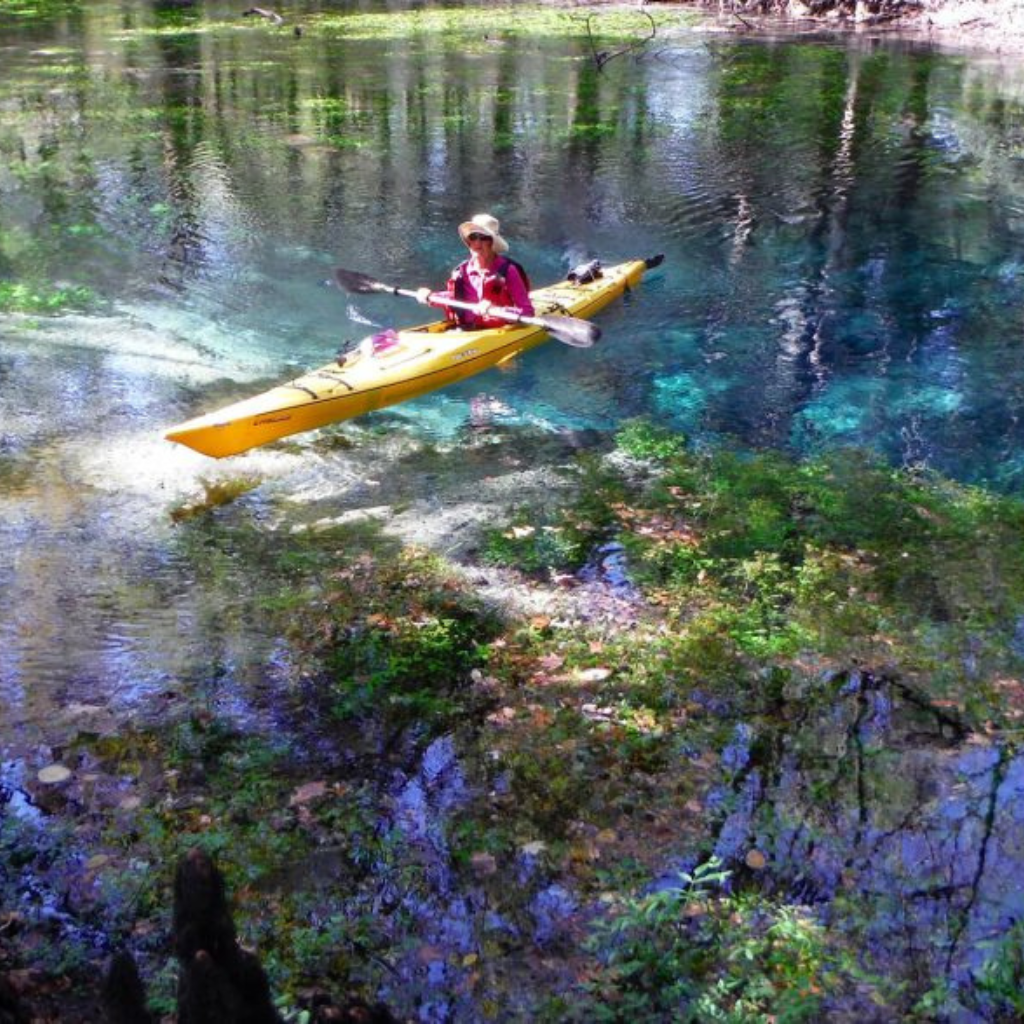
485 224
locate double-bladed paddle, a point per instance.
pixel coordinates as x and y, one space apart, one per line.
567 329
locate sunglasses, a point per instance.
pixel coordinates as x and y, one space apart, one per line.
477 237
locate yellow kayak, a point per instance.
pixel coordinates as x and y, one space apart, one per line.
395 366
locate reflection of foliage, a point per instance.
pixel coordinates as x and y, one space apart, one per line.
759 90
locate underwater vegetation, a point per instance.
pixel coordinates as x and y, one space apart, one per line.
37 10
685 793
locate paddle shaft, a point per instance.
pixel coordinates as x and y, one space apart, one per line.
567 329
500 312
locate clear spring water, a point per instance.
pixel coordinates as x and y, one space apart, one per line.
843 226
842 223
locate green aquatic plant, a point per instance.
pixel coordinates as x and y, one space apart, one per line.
16 472
688 953
539 542
37 857
531 548
407 666
642 439
38 10
594 745
45 299
485 27
550 774
249 802
390 635
216 493
1000 982
828 551
475 28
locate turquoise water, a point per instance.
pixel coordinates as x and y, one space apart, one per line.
841 221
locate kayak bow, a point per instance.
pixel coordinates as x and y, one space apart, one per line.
394 367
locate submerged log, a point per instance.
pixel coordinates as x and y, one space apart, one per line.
262 12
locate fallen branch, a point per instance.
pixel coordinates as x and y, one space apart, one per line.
602 57
262 12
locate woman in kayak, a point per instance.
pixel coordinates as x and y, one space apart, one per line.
488 278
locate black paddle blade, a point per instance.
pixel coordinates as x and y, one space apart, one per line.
569 330
360 284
